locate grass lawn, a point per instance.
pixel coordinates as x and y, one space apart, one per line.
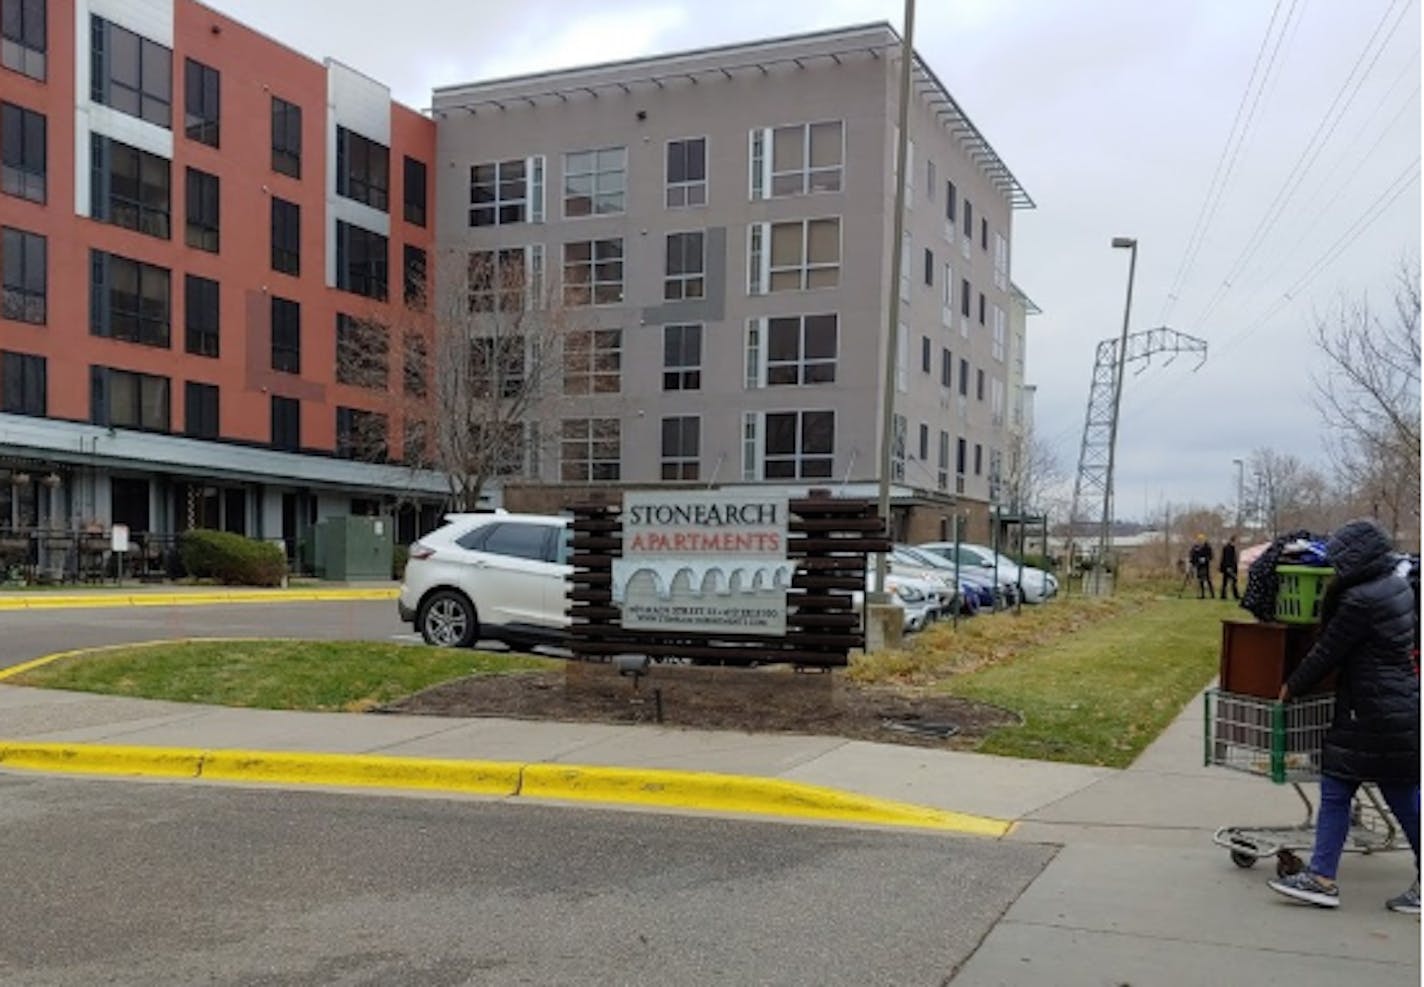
308 675
1095 680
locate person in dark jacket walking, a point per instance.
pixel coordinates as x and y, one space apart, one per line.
1228 568
1366 638
1200 561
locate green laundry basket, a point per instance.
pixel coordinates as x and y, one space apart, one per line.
1302 587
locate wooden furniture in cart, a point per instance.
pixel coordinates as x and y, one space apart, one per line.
1257 658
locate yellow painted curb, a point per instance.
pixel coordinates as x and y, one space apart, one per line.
16 670
741 794
160 762
363 770
48 601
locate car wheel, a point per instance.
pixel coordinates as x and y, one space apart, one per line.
447 620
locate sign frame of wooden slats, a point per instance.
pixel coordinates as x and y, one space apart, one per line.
829 539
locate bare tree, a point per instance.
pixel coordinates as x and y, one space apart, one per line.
1285 494
1368 397
1034 472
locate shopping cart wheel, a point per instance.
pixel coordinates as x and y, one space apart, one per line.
1288 863
1243 859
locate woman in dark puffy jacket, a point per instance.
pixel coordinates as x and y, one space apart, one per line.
1367 636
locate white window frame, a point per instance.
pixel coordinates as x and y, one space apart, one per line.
586 444
1001 261
687 189
751 445
758 353
759 248
946 312
763 173
599 175
532 201
996 402
685 285
682 461
594 282
1000 333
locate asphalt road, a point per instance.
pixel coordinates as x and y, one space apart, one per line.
121 882
26 634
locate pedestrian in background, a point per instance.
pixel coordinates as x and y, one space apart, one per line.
1200 561
1228 568
1367 639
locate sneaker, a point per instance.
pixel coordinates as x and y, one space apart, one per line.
1407 903
1307 887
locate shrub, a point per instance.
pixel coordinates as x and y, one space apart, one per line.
400 555
231 559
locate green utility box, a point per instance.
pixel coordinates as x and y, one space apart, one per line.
350 549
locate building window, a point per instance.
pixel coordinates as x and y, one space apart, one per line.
130 73
362 435
200 410
924 442
686 267
497 366
794 256
687 172
979 385
595 182
124 399
129 187
926 355
1001 262
22 37
414 192
361 261
414 367
964 377
23 384
946 368
24 272
497 280
507 192
414 264
803 158
23 152
931 179
593 361
800 349
929 266
997 350
362 352
961 454
978 459
286 137
590 450
201 222
593 272
682 440
682 358
129 300
363 169
286 424
968 220
951 202
200 315
964 295
414 441
201 102
898 426
799 445
286 336
942 472
983 240
982 309
286 237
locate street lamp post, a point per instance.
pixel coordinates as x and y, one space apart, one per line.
1105 535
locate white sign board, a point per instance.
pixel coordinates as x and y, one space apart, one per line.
119 538
703 562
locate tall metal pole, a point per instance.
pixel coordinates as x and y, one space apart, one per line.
1105 535
887 404
1240 491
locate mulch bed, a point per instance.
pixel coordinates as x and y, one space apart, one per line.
755 700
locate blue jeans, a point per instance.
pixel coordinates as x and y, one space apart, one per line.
1332 823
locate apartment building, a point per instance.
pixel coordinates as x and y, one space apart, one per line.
196 222
718 226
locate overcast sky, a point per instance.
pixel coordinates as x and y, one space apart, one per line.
1114 115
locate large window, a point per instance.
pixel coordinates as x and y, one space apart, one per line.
363 169
201 102
130 73
129 299
22 36
507 192
686 271
361 261
498 365
204 211
799 349
414 264
591 449
687 172
362 435
200 315
497 280
24 272
595 182
286 424
286 137
23 384
593 361
23 152
200 410
129 187
286 236
682 441
413 194
286 336
593 272
682 358
794 256
362 352
124 399
794 160
799 445
964 377
415 365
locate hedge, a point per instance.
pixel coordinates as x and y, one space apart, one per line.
231 559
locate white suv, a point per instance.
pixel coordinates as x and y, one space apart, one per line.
494 576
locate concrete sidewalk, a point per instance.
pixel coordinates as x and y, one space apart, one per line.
1138 895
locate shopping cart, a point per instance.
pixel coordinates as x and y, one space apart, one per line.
1282 741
